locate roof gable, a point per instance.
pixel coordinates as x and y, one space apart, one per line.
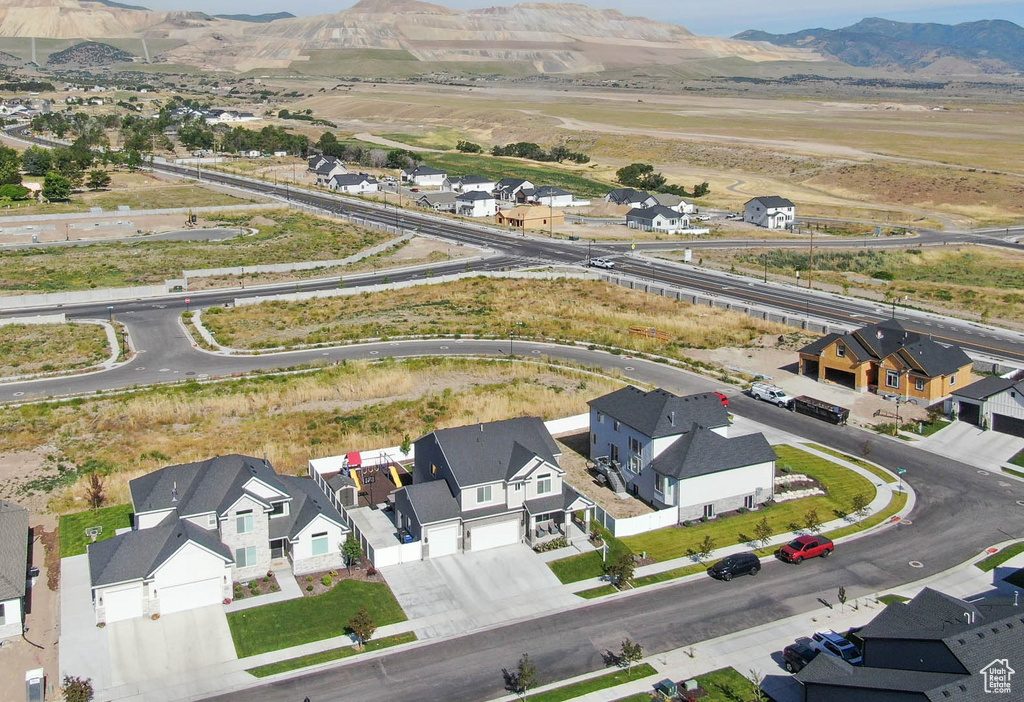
771 202
661 413
487 453
701 451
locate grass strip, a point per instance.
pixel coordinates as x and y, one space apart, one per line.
997 559
1018 459
73 541
885 475
1011 471
296 622
585 687
332 655
892 599
898 502
596 592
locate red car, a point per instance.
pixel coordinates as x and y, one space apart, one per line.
723 397
804 547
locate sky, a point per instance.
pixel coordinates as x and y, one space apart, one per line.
720 18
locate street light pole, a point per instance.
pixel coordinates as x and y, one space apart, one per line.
765 257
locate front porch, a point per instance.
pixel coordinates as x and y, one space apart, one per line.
565 516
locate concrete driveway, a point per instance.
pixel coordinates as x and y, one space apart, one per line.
467 591
965 442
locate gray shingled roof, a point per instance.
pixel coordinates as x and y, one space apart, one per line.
985 388
352 179
206 486
472 180
13 550
668 199
661 413
430 502
626 196
649 213
136 555
701 451
511 183
427 171
487 453
474 195
308 501
442 197
554 503
769 201
549 190
830 670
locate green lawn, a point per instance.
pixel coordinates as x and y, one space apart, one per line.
331 655
507 167
588 565
585 687
892 599
595 592
1018 459
1011 471
885 475
725 685
638 697
72 527
898 502
672 574
842 484
286 624
997 559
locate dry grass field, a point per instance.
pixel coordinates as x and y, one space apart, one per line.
290 418
47 348
567 309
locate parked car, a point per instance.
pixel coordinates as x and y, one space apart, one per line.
796 656
703 218
602 263
723 397
736 564
836 645
770 393
803 547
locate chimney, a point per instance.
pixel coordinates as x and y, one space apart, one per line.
672 417
174 492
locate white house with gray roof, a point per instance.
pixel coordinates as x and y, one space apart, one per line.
657 219
468 184
424 176
770 211
198 527
487 485
354 183
476 203
14 536
675 452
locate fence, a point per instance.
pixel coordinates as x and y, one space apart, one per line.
13 302
38 319
630 526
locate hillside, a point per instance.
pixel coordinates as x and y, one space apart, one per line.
984 47
265 17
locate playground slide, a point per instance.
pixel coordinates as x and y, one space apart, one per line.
354 474
394 476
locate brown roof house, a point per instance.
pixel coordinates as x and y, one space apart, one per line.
886 358
535 217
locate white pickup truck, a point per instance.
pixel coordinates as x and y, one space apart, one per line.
770 393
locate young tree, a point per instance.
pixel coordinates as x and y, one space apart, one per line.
362 625
859 503
763 531
842 598
756 681
77 689
706 546
621 569
98 179
56 187
526 675
95 493
352 551
630 653
812 522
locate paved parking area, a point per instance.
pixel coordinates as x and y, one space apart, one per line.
965 442
466 591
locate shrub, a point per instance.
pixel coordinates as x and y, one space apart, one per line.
326 580
309 578
309 588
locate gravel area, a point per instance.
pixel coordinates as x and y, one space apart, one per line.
574 462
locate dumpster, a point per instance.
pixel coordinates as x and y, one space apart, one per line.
821 410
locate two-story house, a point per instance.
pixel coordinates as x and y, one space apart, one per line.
198 527
424 176
475 203
326 169
770 211
630 196
487 485
506 189
675 452
468 184
549 196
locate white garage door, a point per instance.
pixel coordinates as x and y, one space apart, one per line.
493 535
190 595
443 541
122 604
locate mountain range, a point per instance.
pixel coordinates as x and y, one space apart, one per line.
987 46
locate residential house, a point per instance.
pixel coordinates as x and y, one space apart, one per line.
326 169
673 202
531 217
657 219
315 161
200 526
14 540
475 204
547 195
424 176
506 189
887 358
933 648
992 403
216 116
487 485
631 197
770 211
468 184
675 453
443 201
354 184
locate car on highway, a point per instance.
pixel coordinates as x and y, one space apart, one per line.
797 655
770 393
803 547
836 645
602 263
736 564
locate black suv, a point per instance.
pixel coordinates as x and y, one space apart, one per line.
796 656
736 564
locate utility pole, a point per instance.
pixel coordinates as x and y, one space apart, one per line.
810 267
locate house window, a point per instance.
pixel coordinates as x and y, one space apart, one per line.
3 613
616 425
748 502
600 418
840 351
614 452
243 523
483 494
919 384
952 379
544 484
593 438
635 464
661 484
518 486
211 521
245 557
892 379
278 509
320 544
709 511
634 445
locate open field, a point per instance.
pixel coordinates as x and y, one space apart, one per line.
290 418
568 309
48 348
282 236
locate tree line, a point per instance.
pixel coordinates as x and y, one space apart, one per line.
642 177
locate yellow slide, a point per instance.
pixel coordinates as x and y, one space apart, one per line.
394 475
354 474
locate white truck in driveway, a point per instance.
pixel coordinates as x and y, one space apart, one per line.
770 393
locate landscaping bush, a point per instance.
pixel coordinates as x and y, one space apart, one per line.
309 588
326 580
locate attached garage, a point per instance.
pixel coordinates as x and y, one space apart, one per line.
121 603
970 413
178 598
493 535
1008 425
443 540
